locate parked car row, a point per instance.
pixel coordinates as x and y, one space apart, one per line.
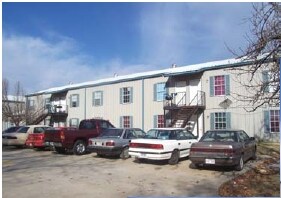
216 147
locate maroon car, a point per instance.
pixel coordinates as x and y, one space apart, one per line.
223 148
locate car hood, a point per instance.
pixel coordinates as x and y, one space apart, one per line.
15 134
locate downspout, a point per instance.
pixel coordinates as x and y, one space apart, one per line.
142 104
85 104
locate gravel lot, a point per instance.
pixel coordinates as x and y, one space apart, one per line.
29 173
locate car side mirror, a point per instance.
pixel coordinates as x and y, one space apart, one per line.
196 137
252 138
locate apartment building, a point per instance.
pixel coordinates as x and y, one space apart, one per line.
199 97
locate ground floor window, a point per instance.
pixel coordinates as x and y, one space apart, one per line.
159 121
220 120
272 121
126 121
73 122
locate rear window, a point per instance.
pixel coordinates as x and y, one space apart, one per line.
87 125
112 133
23 130
219 136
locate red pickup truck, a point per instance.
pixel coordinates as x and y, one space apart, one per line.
76 140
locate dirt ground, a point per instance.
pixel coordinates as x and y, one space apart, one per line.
27 173
261 181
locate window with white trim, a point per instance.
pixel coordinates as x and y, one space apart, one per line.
74 100
126 95
31 104
73 122
97 98
219 85
272 121
159 121
126 121
220 120
159 91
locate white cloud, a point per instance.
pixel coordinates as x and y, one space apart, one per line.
185 33
40 64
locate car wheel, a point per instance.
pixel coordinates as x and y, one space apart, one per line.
174 157
240 165
100 155
125 153
79 147
60 150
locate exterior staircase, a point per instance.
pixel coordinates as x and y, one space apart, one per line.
182 113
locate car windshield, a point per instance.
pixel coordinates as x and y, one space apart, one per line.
112 133
22 130
160 134
219 136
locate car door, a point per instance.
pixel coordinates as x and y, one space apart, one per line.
246 144
184 143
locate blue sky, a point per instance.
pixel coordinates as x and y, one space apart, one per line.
52 44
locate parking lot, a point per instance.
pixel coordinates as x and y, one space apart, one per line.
29 173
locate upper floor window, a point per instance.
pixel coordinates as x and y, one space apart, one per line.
219 85
272 121
220 120
270 81
74 100
126 95
97 98
159 91
31 104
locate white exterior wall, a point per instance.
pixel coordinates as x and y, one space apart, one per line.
251 122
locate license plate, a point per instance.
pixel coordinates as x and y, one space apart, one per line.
210 161
99 143
142 154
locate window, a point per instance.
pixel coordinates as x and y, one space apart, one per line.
220 120
219 85
159 91
126 95
73 122
159 121
87 124
272 121
31 104
74 100
270 82
126 121
97 98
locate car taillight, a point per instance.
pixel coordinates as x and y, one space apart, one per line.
148 146
90 142
228 152
62 136
111 143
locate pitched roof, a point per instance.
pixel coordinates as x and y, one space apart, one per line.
189 69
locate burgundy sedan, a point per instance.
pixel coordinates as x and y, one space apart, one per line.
223 148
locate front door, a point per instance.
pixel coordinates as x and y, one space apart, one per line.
194 87
180 90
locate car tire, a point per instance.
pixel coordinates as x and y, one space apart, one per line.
60 150
100 155
174 157
125 153
79 147
240 165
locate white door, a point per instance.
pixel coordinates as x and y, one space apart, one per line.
194 87
180 90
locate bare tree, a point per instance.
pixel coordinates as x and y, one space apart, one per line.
16 110
13 106
263 51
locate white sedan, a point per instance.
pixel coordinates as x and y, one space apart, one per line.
162 144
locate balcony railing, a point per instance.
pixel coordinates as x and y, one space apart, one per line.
179 99
56 109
